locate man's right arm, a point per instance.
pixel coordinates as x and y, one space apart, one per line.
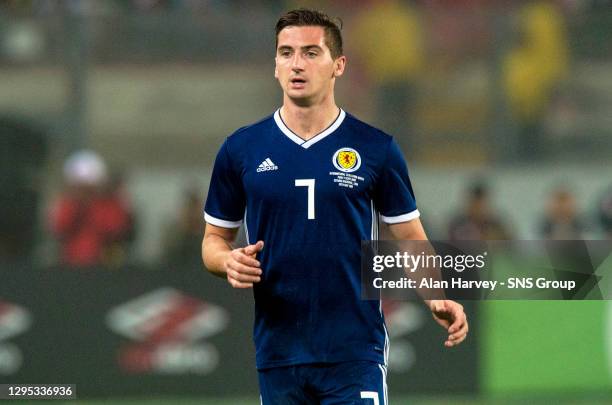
239 266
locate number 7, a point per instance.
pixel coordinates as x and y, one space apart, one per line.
310 183
373 395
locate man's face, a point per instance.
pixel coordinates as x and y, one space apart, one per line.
305 68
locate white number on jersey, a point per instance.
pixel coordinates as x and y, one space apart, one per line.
310 183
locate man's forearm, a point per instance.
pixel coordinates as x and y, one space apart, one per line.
215 250
411 237
430 273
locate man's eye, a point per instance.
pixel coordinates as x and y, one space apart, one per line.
285 53
311 54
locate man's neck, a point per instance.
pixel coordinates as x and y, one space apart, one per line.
309 121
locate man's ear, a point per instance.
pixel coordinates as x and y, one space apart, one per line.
339 65
275 69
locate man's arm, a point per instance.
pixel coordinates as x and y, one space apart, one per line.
411 230
448 314
239 266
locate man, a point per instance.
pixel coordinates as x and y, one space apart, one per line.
309 183
91 222
562 220
605 213
478 219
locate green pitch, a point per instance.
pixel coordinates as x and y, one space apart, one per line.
457 400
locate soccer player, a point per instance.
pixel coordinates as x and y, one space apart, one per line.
309 183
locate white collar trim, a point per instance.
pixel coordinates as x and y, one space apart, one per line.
307 144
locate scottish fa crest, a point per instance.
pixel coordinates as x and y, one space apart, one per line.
347 160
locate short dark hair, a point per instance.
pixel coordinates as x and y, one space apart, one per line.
304 17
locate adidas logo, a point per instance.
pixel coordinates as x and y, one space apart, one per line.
266 165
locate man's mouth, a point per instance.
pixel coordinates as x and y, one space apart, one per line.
298 80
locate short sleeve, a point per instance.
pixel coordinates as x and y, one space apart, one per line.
393 195
226 200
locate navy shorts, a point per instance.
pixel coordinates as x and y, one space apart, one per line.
352 382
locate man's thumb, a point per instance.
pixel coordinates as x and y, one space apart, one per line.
252 249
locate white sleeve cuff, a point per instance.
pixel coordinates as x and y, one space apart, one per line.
221 222
401 218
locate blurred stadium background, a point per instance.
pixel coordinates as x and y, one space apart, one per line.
503 109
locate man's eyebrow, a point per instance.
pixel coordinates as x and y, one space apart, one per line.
304 48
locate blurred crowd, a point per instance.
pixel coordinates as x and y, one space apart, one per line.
91 219
561 218
490 75
419 87
93 222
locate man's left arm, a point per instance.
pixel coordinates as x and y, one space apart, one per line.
447 313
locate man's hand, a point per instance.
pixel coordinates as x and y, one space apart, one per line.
449 314
241 266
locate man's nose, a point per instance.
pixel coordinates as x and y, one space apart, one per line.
297 63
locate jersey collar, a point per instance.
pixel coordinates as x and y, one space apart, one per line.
303 143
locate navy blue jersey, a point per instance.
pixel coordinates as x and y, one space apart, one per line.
312 203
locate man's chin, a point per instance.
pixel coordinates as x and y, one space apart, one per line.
300 99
